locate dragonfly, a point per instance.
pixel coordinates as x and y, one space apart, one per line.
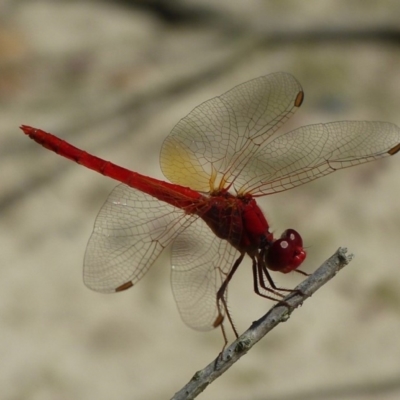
219 159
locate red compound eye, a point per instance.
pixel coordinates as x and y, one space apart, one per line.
293 236
287 253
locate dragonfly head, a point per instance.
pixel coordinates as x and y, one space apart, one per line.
287 253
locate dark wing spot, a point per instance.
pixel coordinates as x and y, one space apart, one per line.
124 286
394 149
218 320
299 99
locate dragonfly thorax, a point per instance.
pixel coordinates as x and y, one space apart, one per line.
237 219
240 221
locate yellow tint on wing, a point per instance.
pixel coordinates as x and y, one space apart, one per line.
182 166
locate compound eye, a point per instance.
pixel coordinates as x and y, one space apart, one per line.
293 237
287 253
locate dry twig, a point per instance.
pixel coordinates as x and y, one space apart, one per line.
277 314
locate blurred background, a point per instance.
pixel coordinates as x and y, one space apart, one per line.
114 77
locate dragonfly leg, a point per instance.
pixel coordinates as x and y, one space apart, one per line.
221 298
302 272
258 282
272 283
259 272
265 273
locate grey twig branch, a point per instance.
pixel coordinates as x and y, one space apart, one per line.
277 314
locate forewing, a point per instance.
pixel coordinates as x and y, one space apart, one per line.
215 141
130 232
313 151
200 264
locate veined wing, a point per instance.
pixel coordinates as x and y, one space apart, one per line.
213 144
312 151
131 230
200 264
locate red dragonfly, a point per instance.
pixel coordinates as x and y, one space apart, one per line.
220 158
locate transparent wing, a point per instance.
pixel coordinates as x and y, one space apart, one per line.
313 151
130 232
200 264
213 144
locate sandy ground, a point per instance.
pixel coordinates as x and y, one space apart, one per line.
114 81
